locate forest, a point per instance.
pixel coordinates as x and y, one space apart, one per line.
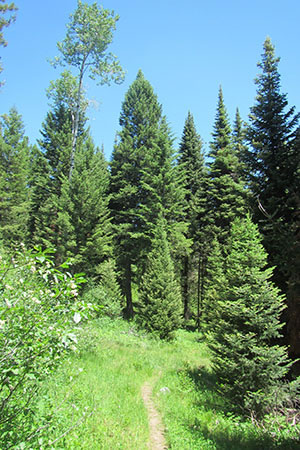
164 253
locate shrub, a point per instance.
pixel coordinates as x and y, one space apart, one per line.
39 309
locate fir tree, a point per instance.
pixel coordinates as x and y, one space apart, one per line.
193 171
159 309
246 321
226 191
14 179
143 181
274 168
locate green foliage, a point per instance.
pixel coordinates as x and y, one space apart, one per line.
14 179
71 216
194 174
246 322
159 308
227 196
89 34
38 313
5 21
144 182
106 293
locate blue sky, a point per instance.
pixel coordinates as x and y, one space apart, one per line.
186 49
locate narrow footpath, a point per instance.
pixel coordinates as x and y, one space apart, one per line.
157 438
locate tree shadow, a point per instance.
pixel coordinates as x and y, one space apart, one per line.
234 432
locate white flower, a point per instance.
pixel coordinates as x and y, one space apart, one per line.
77 317
73 285
36 300
32 269
8 287
2 323
21 280
74 292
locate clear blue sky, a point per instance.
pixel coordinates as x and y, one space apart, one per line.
186 49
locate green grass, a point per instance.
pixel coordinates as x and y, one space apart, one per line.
96 396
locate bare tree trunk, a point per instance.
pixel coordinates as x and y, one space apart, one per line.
75 124
128 291
185 293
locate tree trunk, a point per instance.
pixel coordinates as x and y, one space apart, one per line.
128 291
185 293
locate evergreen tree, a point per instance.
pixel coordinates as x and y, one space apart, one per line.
143 182
14 178
246 322
226 191
70 215
274 167
193 171
160 300
87 207
239 143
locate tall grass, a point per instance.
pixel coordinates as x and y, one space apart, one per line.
96 403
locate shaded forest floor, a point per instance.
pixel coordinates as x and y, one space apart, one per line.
95 399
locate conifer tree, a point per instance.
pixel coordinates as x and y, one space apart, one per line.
193 171
226 191
14 179
160 306
246 321
239 143
274 168
70 215
143 182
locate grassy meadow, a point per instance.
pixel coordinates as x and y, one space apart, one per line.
94 400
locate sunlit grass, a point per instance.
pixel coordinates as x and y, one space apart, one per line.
96 396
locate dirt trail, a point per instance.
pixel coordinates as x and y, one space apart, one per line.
157 439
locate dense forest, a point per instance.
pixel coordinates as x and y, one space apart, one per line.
167 237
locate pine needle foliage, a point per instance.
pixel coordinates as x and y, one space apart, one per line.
249 366
160 307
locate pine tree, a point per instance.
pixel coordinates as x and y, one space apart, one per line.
227 195
14 178
239 143
159 309
274 167
70 215
87 206
143 182
248 366
193 171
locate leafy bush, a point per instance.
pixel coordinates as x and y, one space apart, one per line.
39 309
106 295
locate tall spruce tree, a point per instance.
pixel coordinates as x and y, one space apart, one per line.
274 167
194 174
14 179
227 194
246 321
143 183
70 215
160 306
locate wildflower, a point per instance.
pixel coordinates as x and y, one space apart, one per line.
2 323
73 285
21 280
32 269
74 292
36 300
8 287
